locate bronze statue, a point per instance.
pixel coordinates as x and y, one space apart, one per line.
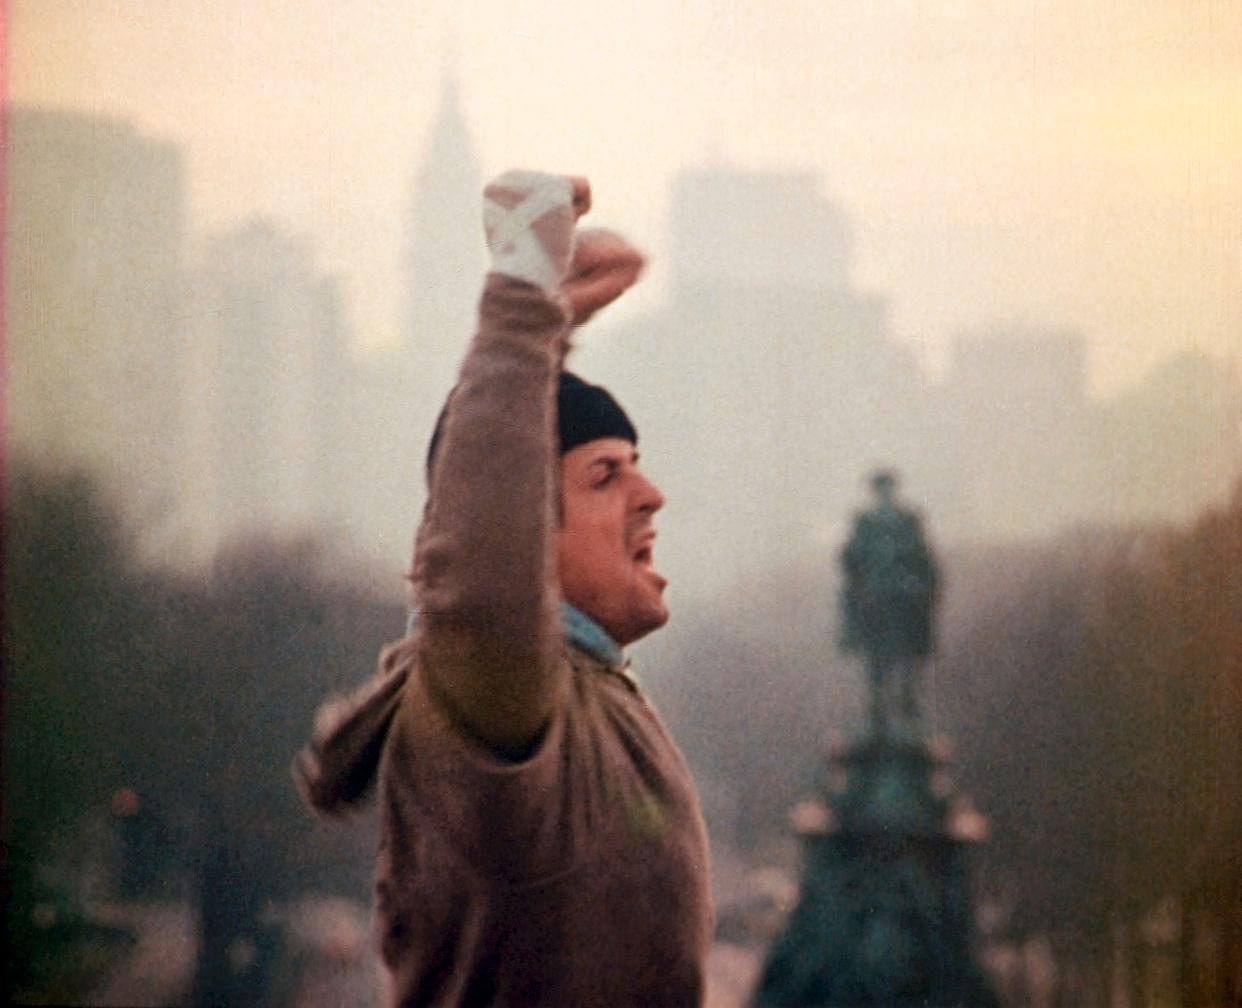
884 917
889 599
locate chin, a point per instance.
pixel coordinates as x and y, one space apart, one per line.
628 608
643 618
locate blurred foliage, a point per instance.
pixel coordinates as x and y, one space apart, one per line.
1097 697
70 592
191 692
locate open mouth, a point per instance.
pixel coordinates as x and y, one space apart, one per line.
643 557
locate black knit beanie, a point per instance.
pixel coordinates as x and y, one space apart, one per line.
584 412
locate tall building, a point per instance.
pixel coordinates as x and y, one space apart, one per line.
271 374
732 228
1036 454
399 390
444 255
94 305
769 376
1015 413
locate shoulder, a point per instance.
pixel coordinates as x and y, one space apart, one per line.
597 672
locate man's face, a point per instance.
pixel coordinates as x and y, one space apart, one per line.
606 538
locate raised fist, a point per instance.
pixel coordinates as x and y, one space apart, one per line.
529 220
604 266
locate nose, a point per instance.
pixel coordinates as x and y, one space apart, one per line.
648 496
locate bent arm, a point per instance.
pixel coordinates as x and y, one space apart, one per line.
485 561
485 566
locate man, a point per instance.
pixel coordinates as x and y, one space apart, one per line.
541 839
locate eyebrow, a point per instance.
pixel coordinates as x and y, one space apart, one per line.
608 463
613 461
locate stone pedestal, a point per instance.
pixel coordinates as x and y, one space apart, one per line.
884 915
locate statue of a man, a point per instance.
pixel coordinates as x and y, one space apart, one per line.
890 594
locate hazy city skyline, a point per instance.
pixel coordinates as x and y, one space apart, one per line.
207 377
1070 168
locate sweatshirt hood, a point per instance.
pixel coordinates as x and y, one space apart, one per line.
334 772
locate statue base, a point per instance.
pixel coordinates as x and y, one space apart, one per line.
884 914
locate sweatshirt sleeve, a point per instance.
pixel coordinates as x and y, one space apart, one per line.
485 558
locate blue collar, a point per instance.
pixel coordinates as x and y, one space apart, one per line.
586 635
580 630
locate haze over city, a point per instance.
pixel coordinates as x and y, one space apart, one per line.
1066 166
928 235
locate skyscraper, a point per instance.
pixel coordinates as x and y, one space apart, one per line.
773 375
444 255
270 377
94 304
1015 414
399 390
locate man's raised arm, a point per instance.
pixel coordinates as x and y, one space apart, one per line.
485 561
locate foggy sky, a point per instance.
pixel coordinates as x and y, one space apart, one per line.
1058 163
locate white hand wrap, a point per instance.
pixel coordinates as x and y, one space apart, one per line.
529 220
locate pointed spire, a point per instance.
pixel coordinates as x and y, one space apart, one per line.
450 71
449 166
444 250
